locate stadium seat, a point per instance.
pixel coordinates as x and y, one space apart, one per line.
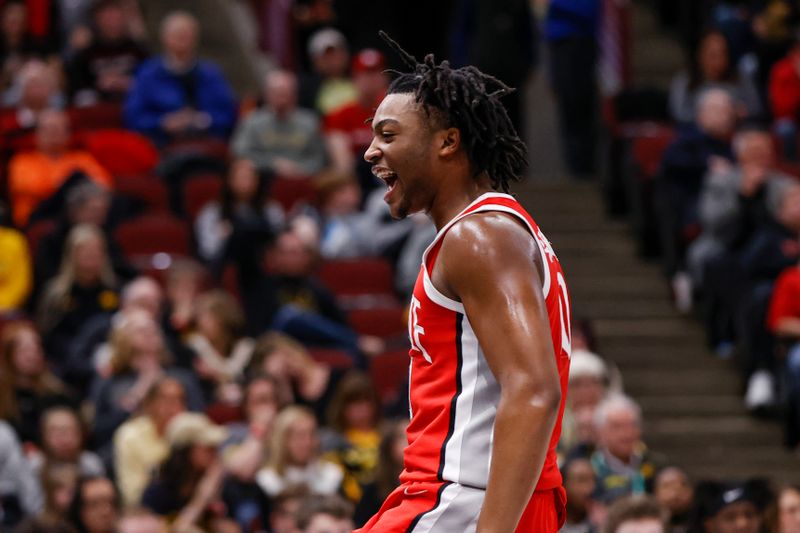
789 168
121 151
200 190
145 188
647 148
383 322
96 117
210 147
291 191
389 372
152 234
331 357
360 283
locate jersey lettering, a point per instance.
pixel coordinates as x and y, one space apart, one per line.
415 330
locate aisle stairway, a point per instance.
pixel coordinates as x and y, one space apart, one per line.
692 401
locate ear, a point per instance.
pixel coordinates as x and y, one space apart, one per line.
450 142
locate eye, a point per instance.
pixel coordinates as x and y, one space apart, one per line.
387 135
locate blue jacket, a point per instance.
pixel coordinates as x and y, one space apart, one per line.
157 91
572 18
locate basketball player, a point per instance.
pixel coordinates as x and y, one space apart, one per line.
489 318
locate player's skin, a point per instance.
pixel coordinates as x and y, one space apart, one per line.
490 263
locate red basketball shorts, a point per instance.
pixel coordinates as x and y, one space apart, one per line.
453 508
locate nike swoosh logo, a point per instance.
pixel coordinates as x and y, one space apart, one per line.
414 492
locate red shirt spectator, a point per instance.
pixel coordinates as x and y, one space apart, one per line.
346 129
784 86
785 301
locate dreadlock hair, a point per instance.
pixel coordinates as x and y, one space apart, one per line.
469 100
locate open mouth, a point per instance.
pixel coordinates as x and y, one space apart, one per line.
385 175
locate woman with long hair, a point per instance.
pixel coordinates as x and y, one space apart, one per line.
27 386
294 457
244 208
187 488
222 351
355 417
712 66
303 380
139 359
84 287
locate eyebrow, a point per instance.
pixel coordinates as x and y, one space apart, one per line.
382 123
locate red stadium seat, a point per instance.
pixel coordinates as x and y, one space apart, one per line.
122 151
145 188
647 149
291 191
209 147
152 234
96 117
789 168
360 283
330 357
389 371
200 190
384 322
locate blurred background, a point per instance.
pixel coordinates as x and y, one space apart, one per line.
203 321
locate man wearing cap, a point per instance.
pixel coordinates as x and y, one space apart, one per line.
329 86
347 130
734 509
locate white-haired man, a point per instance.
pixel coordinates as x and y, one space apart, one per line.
621 461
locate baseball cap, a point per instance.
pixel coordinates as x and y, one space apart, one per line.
188 429
368 60
730 494
324 39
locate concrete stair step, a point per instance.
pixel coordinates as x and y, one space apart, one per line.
678 382
623 307
708 405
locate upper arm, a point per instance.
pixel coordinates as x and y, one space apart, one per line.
489 262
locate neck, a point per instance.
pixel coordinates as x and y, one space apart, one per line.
453 198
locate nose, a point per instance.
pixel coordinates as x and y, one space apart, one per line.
373 154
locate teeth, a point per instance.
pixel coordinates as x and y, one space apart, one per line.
385 174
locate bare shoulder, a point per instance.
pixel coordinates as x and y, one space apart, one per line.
489 237
483 246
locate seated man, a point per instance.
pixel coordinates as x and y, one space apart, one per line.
104 70
622 464
328 87
700 148
35 176
178 96
37 91
733 200
281 138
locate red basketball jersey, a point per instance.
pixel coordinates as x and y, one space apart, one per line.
453 393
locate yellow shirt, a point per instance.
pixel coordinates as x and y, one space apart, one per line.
15 269
138 450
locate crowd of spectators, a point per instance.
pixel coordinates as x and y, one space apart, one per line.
200 302
724 193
